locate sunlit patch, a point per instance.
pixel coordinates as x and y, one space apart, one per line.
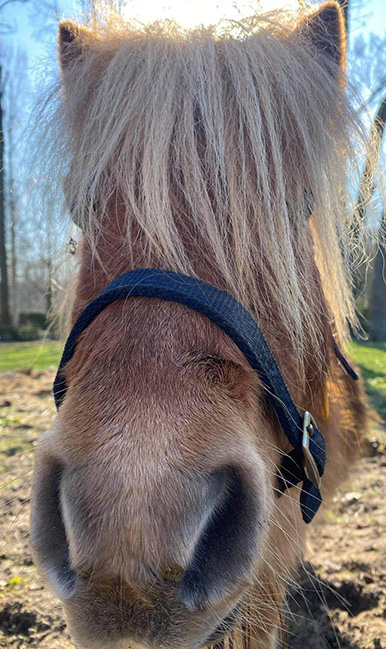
189 13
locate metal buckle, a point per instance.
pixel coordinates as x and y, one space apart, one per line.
310 467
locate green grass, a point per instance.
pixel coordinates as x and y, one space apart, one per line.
39 356
371 359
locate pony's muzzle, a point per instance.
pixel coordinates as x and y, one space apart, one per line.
223 555
203 591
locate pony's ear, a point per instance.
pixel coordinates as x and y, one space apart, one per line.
325 29
72 42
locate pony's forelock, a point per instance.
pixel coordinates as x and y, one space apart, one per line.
223 135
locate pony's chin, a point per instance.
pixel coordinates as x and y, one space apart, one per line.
83 639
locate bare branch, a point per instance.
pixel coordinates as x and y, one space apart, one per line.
380 88
7 2
5 29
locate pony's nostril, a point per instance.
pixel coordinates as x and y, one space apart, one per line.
226 550
48 535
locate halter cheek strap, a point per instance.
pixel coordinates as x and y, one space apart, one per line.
306 462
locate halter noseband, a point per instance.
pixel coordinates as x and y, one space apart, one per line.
306 462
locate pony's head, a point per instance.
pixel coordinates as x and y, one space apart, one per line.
155 515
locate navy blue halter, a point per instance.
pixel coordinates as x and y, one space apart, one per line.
306 462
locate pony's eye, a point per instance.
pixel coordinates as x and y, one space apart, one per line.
74 213
215 361
229 376
216 368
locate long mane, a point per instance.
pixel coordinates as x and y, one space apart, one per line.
215 144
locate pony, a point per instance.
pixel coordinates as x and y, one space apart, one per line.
222 153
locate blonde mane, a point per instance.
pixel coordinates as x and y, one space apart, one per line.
220 136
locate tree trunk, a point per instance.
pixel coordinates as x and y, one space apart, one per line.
49 293
14 291
377 327
377 324
377 130
13 219
5 316
366 190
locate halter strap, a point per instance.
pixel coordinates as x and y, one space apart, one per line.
306 462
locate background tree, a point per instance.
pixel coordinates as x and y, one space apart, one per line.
16 84
5 314
367 72
31 236
377 320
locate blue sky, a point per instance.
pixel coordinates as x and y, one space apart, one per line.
376 10
27 19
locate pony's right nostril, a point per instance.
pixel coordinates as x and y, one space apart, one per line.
225 553
48 536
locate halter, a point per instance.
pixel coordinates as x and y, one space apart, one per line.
306 462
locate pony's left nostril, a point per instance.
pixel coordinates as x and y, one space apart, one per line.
48 535
224 555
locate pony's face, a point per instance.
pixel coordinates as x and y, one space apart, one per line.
155 486
154 512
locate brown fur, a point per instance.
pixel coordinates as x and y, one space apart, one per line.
159 398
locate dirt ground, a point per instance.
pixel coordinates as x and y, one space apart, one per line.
342 599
